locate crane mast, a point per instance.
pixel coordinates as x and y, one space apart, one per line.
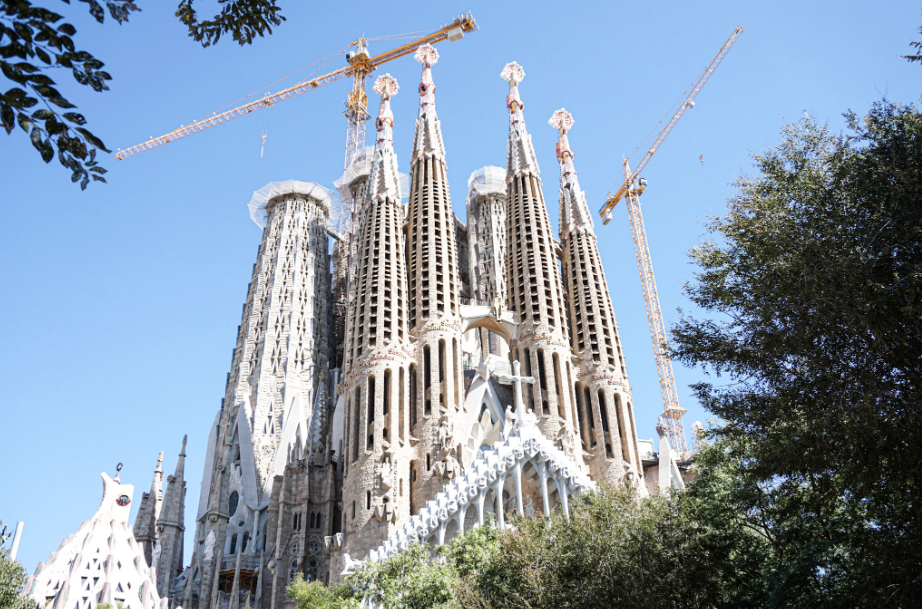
672 411
631 190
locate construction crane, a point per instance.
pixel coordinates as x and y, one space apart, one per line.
360 66
632 188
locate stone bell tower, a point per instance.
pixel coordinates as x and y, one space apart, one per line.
535 289
604 407
436 384
378 355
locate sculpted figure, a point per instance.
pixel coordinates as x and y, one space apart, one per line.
208 554
387 474
155 555
445 433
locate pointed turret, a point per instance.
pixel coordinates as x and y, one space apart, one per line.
378 355
384 181
520 157
574 211
170 526
427 141
145 522
435 284
604 408
535 289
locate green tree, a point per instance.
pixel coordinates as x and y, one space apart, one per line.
813 289
35 42
616 550
316 595
12 577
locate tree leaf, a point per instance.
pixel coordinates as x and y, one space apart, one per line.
75 118
93 139
66 28
42 114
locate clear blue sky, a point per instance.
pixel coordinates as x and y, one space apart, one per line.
120 304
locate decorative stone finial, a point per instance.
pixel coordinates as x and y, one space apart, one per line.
159 461
386 86
562 121
426 55
118 472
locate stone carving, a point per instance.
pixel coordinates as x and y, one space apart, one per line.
350 565
387 474
529 508
208 554
446 430
155 555
448 468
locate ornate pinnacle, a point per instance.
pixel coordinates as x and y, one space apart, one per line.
520 159
514 73
563 122
426 55
386 86
574 212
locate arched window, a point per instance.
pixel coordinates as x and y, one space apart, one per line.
233 547
232 503
293 571
313 545
246 541
311 570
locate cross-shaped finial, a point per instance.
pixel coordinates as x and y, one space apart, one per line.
513 72
561 120
426 55
386 86
516 379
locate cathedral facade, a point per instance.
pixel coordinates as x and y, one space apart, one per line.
322 453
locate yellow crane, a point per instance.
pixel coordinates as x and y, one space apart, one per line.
632 188
360 66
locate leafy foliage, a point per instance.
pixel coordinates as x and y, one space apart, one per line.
315 595
618 551
12 578
243 19
814 285
34 41
32 44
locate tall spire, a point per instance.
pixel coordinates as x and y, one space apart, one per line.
427 141
520 158
171 525
574 211
383 182
145 522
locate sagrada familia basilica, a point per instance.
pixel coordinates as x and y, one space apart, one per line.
475 371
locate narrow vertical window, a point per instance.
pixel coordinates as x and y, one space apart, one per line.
370 404
454 372
603 410
401 421
561 409
414 404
